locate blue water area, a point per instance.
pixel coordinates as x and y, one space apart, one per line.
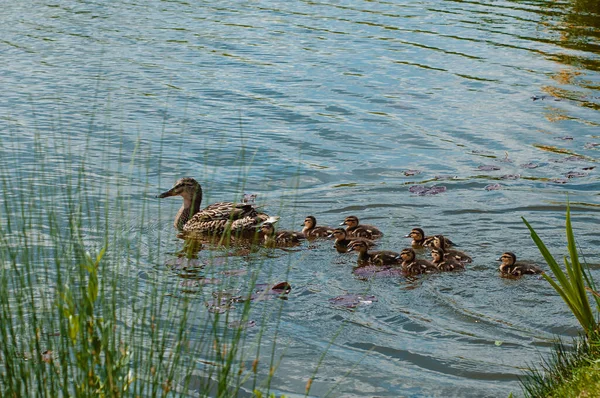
332 109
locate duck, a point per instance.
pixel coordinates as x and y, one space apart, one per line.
440 242
342 240
444 263
217 218
353 229
413 266
380 258
312 231
419 240
511 267
272 238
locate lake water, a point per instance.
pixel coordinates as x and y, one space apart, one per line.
332 109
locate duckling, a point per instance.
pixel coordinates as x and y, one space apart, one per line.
353 229
440 242
419 240
312 231
376 258
279 238
444 263
413 266
342 240
217 218
511 267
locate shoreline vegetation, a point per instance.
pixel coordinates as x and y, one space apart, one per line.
70 256
573 370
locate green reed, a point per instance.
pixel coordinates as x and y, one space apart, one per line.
77 317
574 284
560 375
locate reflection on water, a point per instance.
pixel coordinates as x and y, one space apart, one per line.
457 117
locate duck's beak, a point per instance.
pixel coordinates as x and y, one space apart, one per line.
344 223
407 236
499 259
170 192
330 236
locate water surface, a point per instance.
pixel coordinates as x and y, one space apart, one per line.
323 108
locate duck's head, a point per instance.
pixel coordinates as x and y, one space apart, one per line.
188 188
416 234
350 221
191 192
437 254
407 255
338 234
358 246
439 241
267 228
310 222
507 259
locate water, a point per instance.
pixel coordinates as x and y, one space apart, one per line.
320 108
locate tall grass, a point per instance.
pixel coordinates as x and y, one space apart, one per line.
88 307
574 284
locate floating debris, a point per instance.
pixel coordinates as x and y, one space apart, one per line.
506 158
266 292
511 176
572 158
352 300
231 295
574 174
565 138
488 167
184 263
199 282
412 172
421 190
588 168
493 187
445 178
235 272
219 306
530 165
560 180
591 145
544 97
241 325
376 271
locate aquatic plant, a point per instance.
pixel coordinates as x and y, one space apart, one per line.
570 285
572 369
88 307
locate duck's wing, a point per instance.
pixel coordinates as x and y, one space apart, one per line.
428 241
451 264
226 211
385 257
319 232
420 267
459 256
529 268
366 231
370 243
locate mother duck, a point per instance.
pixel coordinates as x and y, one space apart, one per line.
216 219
